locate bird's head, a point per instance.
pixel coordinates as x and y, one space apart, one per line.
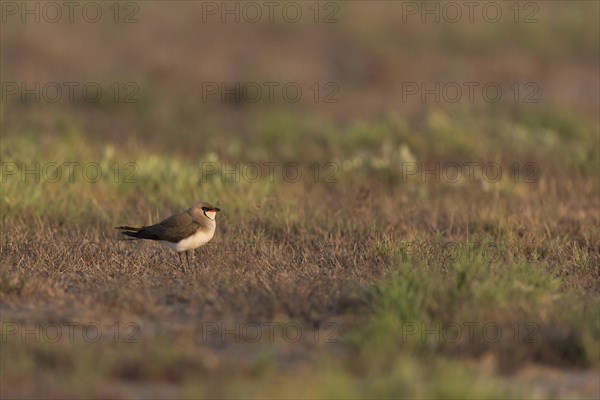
210 211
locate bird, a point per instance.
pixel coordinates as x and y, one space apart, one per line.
181 232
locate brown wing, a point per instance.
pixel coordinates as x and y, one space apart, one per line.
174 228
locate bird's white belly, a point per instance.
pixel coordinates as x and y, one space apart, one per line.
192 242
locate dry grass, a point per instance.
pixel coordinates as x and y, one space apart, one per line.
326 267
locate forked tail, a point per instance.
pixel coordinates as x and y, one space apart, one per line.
138 233
129 228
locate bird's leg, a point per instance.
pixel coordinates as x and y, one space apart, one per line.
181 263
187 257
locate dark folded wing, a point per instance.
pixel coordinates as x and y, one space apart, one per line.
173 229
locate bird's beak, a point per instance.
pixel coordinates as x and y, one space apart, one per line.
216 209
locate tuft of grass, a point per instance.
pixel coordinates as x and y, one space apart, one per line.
452 308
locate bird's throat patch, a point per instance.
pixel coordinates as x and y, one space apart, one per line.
210 214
